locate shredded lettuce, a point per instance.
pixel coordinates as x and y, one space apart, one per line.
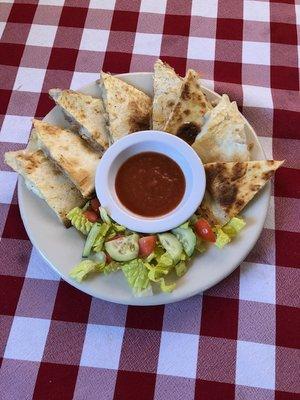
164 287
228 231
234 226
200 245
180 268
99 241
136 274
222 238
119 228
104 216
160 266
79 221
83 269
113 266
140 273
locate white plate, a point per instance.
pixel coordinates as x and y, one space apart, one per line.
62 247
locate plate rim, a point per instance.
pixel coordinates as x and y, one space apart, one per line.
170 298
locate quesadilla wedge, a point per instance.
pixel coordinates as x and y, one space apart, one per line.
44 179
186 117
128 109
222 137
167 86
70 153
86 113
231 186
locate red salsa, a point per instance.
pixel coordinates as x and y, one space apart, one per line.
150 184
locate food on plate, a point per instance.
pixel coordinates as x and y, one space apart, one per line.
150 184
230 187
222 137
186 118
145 260
127 108
166 87
59 165
70 153
46 181
86 113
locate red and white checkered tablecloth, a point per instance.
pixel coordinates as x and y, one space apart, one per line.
239 340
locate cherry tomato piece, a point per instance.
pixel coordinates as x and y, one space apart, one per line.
146 245
203 230
91 215
108 258
95 204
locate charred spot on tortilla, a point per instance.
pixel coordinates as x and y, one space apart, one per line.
139 124
227 194
254 188
186 112
185 94
170 103
238 170
267 175
188 132
214 170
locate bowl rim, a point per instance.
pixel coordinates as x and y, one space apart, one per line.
181 213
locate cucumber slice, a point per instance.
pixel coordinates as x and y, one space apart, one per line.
91 239
188 239
123 249
172 245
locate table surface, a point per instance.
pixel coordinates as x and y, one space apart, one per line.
240 339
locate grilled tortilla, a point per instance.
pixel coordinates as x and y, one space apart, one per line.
186 117
45 180
70 153
86 113
231 186
128 109
167 85
222 137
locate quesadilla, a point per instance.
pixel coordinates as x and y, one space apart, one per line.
231 186
222 137
46 181
167 86
186 118
128 109
70 153
86 113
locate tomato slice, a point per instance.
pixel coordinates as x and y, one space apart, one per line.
95 204
108 258
203 230
146 245
91 215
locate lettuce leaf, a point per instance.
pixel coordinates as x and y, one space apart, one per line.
79 221
222 238
136 274
200 245
228 231
99 241
180 268
104 216
83 269
234 226
113 266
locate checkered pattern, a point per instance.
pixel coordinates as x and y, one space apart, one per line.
240 339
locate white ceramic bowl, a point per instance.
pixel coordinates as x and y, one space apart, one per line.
159 142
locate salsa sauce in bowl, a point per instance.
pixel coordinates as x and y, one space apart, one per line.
150 184
150 181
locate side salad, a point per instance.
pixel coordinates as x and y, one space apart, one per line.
144 259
